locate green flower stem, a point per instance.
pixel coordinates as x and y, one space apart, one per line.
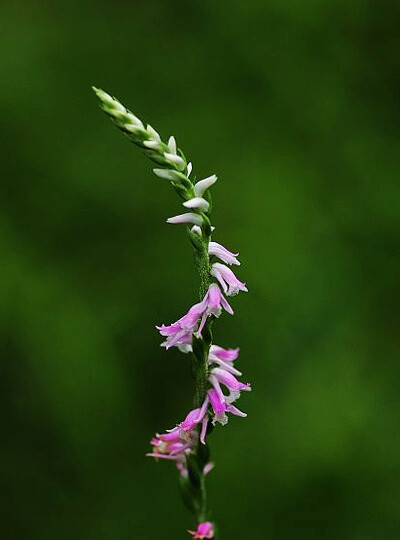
201 348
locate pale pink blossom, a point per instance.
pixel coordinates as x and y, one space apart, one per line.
224 358
222 253
228 355
189 217
219 376
230 284
197 202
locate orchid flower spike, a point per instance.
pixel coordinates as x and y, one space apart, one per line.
216 377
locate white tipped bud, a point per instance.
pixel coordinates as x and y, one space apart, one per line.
119 107
186 218
104 97
189 168
176 160
153 133
132 128
172 144
134 120
203 185
168 174
196 230
153 145
197 202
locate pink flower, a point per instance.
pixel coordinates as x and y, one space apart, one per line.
204 530
224 374
222 253
224 358
228 355
214 302
220 376
227 279
221 406
176 443
180 333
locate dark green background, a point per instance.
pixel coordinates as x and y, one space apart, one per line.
295 105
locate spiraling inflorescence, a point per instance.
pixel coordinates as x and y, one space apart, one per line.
216 382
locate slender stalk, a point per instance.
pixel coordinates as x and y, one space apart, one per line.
201 348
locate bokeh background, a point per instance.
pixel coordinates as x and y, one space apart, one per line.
295 105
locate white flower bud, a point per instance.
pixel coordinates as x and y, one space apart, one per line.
203 185
186 218
196 230
176 160
172 144
154 145
168 174
197 202
153 133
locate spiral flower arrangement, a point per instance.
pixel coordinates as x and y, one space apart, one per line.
217 387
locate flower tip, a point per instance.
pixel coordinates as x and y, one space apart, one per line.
99 92
103 96
202 186
172 144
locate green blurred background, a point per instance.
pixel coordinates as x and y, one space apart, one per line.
295 105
